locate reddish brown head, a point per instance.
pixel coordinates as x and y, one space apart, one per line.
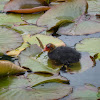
49 47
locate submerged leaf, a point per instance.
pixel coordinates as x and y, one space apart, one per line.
9 39
64 12
7 68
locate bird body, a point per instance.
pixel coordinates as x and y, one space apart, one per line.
62 54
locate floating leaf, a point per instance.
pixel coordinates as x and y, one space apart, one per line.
10 19
84 27
9 39
18 4
64 12
33 40
94 7
45 40
7 67
91 45
33 80
31 10
84 64
47 91
27 58
88 92
30 29
31 18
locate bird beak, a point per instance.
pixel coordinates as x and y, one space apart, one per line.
44 49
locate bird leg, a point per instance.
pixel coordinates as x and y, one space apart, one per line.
63 68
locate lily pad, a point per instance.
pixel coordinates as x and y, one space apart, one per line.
29 59
91 45
10 19
94 7
31 18
9 39
33 40
84 64
7 68
45 91
18 4
33 80
69 11
87 92
30 29
84 27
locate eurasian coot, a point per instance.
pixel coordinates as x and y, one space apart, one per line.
62 54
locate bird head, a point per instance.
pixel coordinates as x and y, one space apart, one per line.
49 47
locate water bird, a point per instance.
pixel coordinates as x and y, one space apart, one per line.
63 54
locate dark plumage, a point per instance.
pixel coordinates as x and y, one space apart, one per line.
63 54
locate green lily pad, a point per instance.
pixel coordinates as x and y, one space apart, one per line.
84 27
20 87
94 7
31 18
91 45
10 19
30 29
29 58
33 40
87 92
8 68
33 80
84 64
9 39
64 12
